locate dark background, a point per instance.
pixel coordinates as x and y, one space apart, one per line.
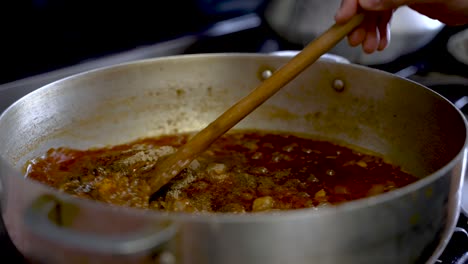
37 36
43 35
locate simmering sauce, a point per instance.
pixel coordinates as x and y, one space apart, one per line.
243 171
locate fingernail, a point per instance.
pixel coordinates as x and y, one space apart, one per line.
338 13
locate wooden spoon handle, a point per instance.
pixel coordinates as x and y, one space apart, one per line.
176 162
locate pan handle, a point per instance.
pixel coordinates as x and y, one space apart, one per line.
38 219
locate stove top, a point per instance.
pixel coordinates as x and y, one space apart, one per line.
431 66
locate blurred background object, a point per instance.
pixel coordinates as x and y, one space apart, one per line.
458 46
44 35
300 21
46 40
41 36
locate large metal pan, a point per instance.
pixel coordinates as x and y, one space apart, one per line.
407 123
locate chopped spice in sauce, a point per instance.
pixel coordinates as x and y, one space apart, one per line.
243 171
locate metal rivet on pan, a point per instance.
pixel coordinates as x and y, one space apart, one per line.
266 74
338 85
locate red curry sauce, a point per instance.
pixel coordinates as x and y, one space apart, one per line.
243 171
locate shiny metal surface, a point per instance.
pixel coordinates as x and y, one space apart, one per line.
37 219
12 91
403 121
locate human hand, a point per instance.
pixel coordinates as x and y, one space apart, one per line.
374 33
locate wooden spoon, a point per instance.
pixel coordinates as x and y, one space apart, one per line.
175 163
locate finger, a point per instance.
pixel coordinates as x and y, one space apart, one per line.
372 40
357 36
380 5
383 25
384 38
346 11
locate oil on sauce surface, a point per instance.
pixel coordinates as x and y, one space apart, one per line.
243 171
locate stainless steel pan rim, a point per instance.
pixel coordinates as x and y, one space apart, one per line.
256 217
